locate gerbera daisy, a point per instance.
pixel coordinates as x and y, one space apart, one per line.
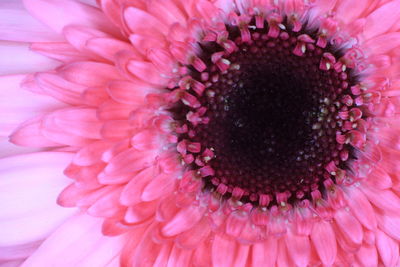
200 133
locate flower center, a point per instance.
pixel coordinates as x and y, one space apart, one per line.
268 118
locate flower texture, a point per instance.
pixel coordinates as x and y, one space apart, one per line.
200 133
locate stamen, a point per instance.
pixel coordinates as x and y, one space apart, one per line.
269 114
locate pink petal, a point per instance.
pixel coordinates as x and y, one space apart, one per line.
140 212
30 185
111 110
87 247
8 149
133 190
168 12
242 255
131 93
117 129
59 51
18 252
53 85
72 126
223 251
379 178
107 205
59 13
89 73
185 219
349 226
146 72
384 199
236 222
128 162
18 105
29 134
91 154
367 256
382 44
347 13
361 207
390 224
160 185
139 21
265 253
18 25
179 257
17 58
78 36
299 248
324 240
202 255
195 235
382 19
283 259
108 47
163 255
388 249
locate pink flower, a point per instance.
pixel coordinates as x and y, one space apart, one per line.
200 133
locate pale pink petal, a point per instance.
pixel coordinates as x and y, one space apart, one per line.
283 259
139 21
323 238
384 199
59 13
349 226
388 249
29 186
191 238
16 263
17 252
361 207
348 13
184 220
59 51
265 252
8 149
299 248
179 257
89 73
30 134
390 224
18 25
382 19
382 44
72 126
367 256
163 255
18 105
223 251
242 255
17 58
82 238
159 186
59 88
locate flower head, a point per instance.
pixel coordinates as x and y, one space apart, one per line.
217 133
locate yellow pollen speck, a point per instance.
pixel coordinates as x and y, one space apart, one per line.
225 61
235 66
328 66
303 48
316 126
